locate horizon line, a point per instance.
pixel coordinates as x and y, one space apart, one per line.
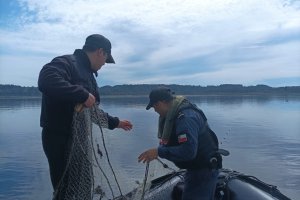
232 84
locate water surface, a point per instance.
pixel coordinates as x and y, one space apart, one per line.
262 134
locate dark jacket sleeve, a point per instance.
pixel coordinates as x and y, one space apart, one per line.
113 122
55 80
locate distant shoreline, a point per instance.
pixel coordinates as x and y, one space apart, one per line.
143 90
146 96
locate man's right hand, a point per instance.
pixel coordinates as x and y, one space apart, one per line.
90 101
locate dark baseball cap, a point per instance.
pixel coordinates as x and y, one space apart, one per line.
99 41
159 94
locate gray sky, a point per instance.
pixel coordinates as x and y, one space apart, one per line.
203 42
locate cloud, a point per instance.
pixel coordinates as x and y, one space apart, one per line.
21 70
171 41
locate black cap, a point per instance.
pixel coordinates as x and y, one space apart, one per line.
99 41
159 94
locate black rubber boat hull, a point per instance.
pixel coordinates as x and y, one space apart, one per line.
231 185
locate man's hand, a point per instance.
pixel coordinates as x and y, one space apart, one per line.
126 125
90 101
148 155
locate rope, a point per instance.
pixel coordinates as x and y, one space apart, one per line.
105 176
145 180
165 165
104 145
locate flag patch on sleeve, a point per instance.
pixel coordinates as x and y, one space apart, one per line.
182 138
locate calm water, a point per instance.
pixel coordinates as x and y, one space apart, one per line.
262 134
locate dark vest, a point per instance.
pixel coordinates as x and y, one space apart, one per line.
208 145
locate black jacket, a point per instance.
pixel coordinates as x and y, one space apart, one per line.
65 82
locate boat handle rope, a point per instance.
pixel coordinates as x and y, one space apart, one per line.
165 165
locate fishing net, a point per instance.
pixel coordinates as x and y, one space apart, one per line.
78 180
89 173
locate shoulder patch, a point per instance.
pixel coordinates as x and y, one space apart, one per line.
182 138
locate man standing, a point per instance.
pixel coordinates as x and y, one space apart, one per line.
65 82
186 140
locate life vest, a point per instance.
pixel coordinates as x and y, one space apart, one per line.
208 145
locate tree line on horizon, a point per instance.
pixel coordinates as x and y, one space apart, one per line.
144 89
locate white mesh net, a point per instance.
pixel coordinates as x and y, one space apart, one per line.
89 174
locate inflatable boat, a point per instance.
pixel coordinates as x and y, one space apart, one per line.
232 185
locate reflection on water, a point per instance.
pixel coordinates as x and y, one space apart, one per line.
19 103
261 132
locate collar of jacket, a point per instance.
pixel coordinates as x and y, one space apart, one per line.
165 124
79 53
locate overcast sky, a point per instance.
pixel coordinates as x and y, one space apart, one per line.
188 42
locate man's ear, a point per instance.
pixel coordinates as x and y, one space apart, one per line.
100 51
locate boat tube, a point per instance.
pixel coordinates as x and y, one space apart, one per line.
232 185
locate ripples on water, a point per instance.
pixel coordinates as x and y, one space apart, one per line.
262 134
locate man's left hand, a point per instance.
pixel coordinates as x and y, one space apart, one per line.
148 155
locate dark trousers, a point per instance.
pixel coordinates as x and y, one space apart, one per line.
200 184
55 145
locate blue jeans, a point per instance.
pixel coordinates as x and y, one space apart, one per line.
200 184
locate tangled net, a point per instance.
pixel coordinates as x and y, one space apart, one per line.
89 174
78 180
